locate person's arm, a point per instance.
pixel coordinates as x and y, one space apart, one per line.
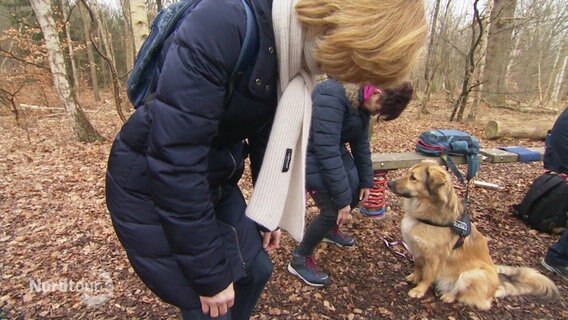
361 151
184 120
327 121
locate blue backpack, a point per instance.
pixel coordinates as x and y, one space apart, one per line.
166 21
447 142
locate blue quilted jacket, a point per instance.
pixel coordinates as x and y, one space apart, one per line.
330 166
171 183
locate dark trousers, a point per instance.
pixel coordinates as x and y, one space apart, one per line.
247 291
558 251
320 226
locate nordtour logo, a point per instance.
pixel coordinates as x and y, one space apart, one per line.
93 293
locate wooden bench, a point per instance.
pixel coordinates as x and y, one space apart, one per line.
391 161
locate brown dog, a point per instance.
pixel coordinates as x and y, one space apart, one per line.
464 273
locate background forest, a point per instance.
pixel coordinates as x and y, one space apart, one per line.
505 53
64 66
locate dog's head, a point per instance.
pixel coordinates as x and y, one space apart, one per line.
426 181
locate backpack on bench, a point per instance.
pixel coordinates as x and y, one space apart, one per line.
445 142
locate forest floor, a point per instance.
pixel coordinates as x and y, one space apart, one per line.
54 229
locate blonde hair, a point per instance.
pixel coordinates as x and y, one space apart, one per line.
365 41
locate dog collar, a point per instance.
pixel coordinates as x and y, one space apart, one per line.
461 227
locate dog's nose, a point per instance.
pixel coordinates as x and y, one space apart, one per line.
391 184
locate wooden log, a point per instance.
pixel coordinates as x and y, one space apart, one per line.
533 130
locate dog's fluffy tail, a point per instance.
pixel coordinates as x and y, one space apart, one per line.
516 281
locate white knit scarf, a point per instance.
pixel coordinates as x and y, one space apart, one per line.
279 196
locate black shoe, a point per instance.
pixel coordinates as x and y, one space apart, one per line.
562 271
306 268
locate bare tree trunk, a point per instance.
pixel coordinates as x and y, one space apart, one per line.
552 78
482 51
139 16
461 102
559 81
498 44
106 36
128 37
82 127
428 72
114 76
90 55
70 46
445 51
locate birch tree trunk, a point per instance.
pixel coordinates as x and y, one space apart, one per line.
90 55
139 18
70 46
82 127
128 38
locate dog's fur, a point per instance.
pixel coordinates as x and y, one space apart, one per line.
466 274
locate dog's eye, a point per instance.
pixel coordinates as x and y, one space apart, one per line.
412 178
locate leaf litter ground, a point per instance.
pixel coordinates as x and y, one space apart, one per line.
54 226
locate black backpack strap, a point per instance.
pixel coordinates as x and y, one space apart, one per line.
247 53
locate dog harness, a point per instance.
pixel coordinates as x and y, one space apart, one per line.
461 227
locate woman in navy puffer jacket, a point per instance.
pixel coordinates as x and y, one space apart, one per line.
171 183
173 169
337 178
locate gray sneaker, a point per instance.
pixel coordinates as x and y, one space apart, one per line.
562 271
306 268
339 238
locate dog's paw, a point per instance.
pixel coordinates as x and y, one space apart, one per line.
413 278
417 292
448 298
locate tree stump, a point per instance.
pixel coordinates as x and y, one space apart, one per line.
533 130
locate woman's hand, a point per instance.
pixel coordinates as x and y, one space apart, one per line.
271 240
343 214
218 304
364 194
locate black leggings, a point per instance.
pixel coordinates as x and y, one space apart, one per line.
320 226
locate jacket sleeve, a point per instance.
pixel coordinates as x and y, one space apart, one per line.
184 120
327 122
361 151
257 149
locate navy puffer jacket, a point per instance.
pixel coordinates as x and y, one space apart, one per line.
330 167
556 151
172 174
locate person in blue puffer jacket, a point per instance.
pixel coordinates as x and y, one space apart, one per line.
338 177
171 182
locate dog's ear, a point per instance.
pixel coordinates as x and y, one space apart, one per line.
437 179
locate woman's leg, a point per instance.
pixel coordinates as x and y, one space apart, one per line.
320 226
249 288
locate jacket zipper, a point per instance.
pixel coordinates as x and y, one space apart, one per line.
243 263
234 165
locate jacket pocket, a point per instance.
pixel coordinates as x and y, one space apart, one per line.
234 252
